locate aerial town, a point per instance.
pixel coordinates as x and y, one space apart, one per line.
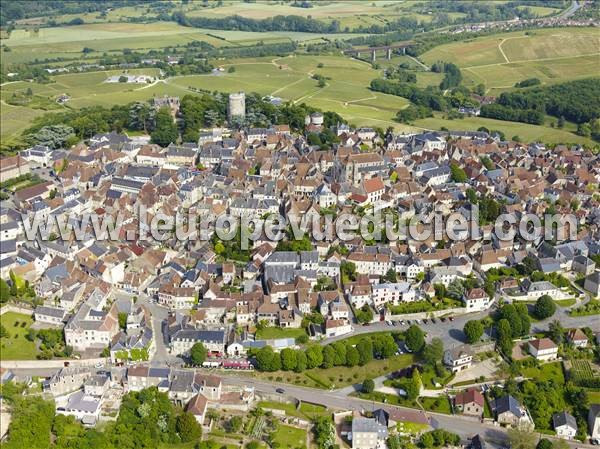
189 316
273 225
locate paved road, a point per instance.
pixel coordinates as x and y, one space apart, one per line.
571 10
159 315
463 426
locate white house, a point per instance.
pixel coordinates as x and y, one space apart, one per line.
543 349
565 425
458 359
334 328
476 300
392 293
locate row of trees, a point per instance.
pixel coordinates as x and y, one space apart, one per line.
206 110
507 113
341 353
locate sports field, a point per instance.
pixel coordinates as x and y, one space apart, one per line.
499 61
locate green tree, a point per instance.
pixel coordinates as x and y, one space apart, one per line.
457 174
289 360
31 423
544 307
368 386
365 351
556 332
4 291
544 443
3 332
314 356
414 338
329 357
122 320
352 356
301 361
188 428
235 424
433 352
504 335
165 131
265 359
198 354
473 330
521 439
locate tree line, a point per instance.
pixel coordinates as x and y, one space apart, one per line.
339 353
63 129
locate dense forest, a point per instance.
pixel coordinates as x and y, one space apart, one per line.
576 101
430 97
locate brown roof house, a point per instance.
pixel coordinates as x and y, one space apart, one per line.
543 349
470 402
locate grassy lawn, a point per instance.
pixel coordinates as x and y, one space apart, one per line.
306 410
439 405
277 332
16 346
545 372
338 376
289 408
565 302
385 398
594 396
289 437
429 378
591 308
411 428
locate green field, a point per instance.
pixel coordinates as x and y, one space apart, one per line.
16 346
500 60
526 132
68 42
346 91
338 376
547 371
277 332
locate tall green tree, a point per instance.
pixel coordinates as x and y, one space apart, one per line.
165 131
414 338
473 330
544 307
198 354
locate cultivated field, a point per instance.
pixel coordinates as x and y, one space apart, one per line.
499 61
69 41
350 14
